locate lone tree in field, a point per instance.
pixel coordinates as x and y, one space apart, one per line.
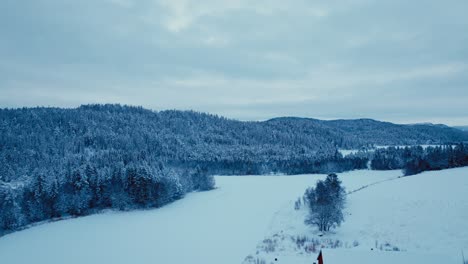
326 203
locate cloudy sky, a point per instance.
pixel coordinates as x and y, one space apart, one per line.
396 60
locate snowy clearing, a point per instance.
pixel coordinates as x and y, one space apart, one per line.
227 224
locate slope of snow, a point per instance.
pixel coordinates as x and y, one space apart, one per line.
424 217
219 226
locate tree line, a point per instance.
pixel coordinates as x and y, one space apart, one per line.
416 159
86 189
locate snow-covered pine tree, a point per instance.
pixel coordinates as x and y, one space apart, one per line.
11 216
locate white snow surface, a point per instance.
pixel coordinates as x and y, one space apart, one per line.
424 215
344 256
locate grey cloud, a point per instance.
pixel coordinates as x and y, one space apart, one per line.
400 61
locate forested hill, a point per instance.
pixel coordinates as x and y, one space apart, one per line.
31 138
356 133
463 128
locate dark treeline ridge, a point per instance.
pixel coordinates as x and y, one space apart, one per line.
68 162
416 159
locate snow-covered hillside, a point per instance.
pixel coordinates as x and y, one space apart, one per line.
418 213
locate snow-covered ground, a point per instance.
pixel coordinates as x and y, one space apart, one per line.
346 152
423 217
340 256
417 214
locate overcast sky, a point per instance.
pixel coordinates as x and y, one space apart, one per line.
396 60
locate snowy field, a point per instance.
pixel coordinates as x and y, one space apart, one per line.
418 214
416 219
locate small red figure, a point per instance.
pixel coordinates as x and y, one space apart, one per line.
320 258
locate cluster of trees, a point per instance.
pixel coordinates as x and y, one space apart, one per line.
438 158
325 203
417 159
83 190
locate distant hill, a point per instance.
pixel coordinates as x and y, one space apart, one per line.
463 128
361 132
